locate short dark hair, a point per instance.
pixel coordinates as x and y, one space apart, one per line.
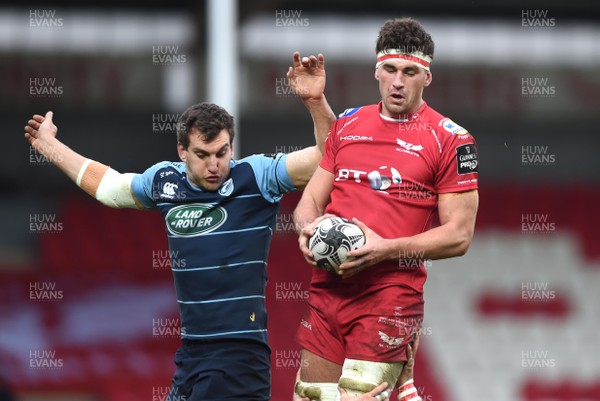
404 33
208 118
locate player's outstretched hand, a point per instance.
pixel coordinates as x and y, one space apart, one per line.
408 368
379 393
304 235
307 76
375 250
39 128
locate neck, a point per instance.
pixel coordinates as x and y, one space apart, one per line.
401 116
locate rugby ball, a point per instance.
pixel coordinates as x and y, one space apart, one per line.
334 237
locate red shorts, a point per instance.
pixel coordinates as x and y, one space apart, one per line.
372 323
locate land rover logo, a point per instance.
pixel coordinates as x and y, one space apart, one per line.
195 219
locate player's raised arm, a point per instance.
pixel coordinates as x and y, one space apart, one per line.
307 80
100 181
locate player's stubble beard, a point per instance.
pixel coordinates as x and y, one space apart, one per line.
402 109
210 186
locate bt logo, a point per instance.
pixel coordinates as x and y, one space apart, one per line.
379 180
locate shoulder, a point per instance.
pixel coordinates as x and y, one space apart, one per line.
165 169
162 179
356 111
259 159
269 171
353 116
445 127
259 164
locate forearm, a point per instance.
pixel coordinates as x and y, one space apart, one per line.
306 212
322 117
98 180
63 157
445 241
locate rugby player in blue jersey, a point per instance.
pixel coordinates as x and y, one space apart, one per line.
220 214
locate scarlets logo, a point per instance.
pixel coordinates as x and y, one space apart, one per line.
389 341
408 147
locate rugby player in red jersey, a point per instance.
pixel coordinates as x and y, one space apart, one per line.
407 176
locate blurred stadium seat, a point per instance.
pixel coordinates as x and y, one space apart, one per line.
515 318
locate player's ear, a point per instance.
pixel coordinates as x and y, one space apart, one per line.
377 74
181 152
428 79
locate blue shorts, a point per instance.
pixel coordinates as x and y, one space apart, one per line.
222 370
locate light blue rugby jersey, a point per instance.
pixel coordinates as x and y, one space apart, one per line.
219 243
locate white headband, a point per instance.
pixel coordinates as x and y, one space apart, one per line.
417 56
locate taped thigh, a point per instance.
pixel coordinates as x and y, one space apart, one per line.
318 391
360 377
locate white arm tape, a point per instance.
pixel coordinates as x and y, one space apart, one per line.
403 394
114 190
85 165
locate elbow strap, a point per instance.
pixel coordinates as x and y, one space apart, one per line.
107 185
90 175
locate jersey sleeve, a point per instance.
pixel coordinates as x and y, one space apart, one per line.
271 175
459 164
142 184
331 145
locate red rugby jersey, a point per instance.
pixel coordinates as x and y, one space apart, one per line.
388 175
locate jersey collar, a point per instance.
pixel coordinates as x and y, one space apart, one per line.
413 116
